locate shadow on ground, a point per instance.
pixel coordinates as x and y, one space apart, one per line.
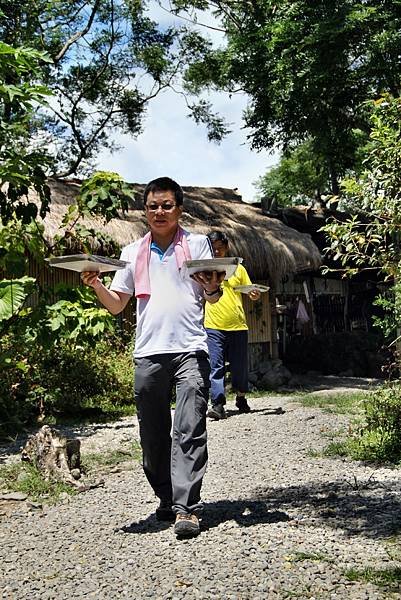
365 508
264 411
244 512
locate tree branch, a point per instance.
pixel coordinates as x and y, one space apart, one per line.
77 35
171 12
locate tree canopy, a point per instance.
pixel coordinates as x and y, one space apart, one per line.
370 238
107 61
307 67
298 178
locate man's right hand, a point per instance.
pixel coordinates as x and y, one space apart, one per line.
115 302
91 278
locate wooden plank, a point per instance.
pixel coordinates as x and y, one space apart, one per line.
258 317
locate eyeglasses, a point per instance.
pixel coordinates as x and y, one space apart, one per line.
166 207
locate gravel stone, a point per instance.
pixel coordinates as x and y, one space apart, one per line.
278 523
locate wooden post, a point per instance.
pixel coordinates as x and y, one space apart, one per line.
273 312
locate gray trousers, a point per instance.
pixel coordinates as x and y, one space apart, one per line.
174 461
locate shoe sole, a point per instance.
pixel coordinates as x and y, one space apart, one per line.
186 531
243 409
215 415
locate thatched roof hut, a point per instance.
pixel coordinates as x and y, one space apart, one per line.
269 248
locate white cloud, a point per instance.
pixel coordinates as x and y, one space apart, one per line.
172 144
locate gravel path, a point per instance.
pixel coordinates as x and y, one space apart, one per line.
278 522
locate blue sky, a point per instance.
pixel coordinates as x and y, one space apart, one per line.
172 144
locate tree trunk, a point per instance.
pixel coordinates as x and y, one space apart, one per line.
57 457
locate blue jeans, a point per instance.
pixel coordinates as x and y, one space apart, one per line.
230 346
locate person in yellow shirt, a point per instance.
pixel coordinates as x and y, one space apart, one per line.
227 333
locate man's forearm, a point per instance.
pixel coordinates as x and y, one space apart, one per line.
110 300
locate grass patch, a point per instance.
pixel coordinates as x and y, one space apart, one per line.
27 479
311 556
341 403
312 453
389 578
332 434
107 460
335 449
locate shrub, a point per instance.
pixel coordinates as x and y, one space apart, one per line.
40 382
379 439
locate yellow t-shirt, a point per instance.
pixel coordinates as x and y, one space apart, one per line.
228 313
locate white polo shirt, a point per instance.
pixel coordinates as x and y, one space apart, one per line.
171 319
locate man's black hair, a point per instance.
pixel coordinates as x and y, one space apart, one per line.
218 236
164 184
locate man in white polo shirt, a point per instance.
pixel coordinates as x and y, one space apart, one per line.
170 350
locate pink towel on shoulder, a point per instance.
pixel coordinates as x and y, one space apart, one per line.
142 280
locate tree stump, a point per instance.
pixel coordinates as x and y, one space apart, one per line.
57 457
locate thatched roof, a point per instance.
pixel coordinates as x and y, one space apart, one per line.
269 248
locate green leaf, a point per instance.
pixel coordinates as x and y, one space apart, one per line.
13 294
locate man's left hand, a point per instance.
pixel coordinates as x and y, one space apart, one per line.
209 280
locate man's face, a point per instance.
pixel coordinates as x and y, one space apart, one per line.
220 249
162 212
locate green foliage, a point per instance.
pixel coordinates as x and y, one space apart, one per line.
340 403
18 240
52 382
27 479
390 303
21 165
104 194
371 236
335 449
216 127
377 435
307 67
99 460
13 293
310 556
73 321
101 53
389 578
298 179
51 362
379 439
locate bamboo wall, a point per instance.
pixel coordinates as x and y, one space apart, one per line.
258 316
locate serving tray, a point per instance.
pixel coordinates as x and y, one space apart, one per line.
245 289
87 262
228 264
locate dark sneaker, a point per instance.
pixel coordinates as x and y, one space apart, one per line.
217 412
242 404
164 512
186 525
